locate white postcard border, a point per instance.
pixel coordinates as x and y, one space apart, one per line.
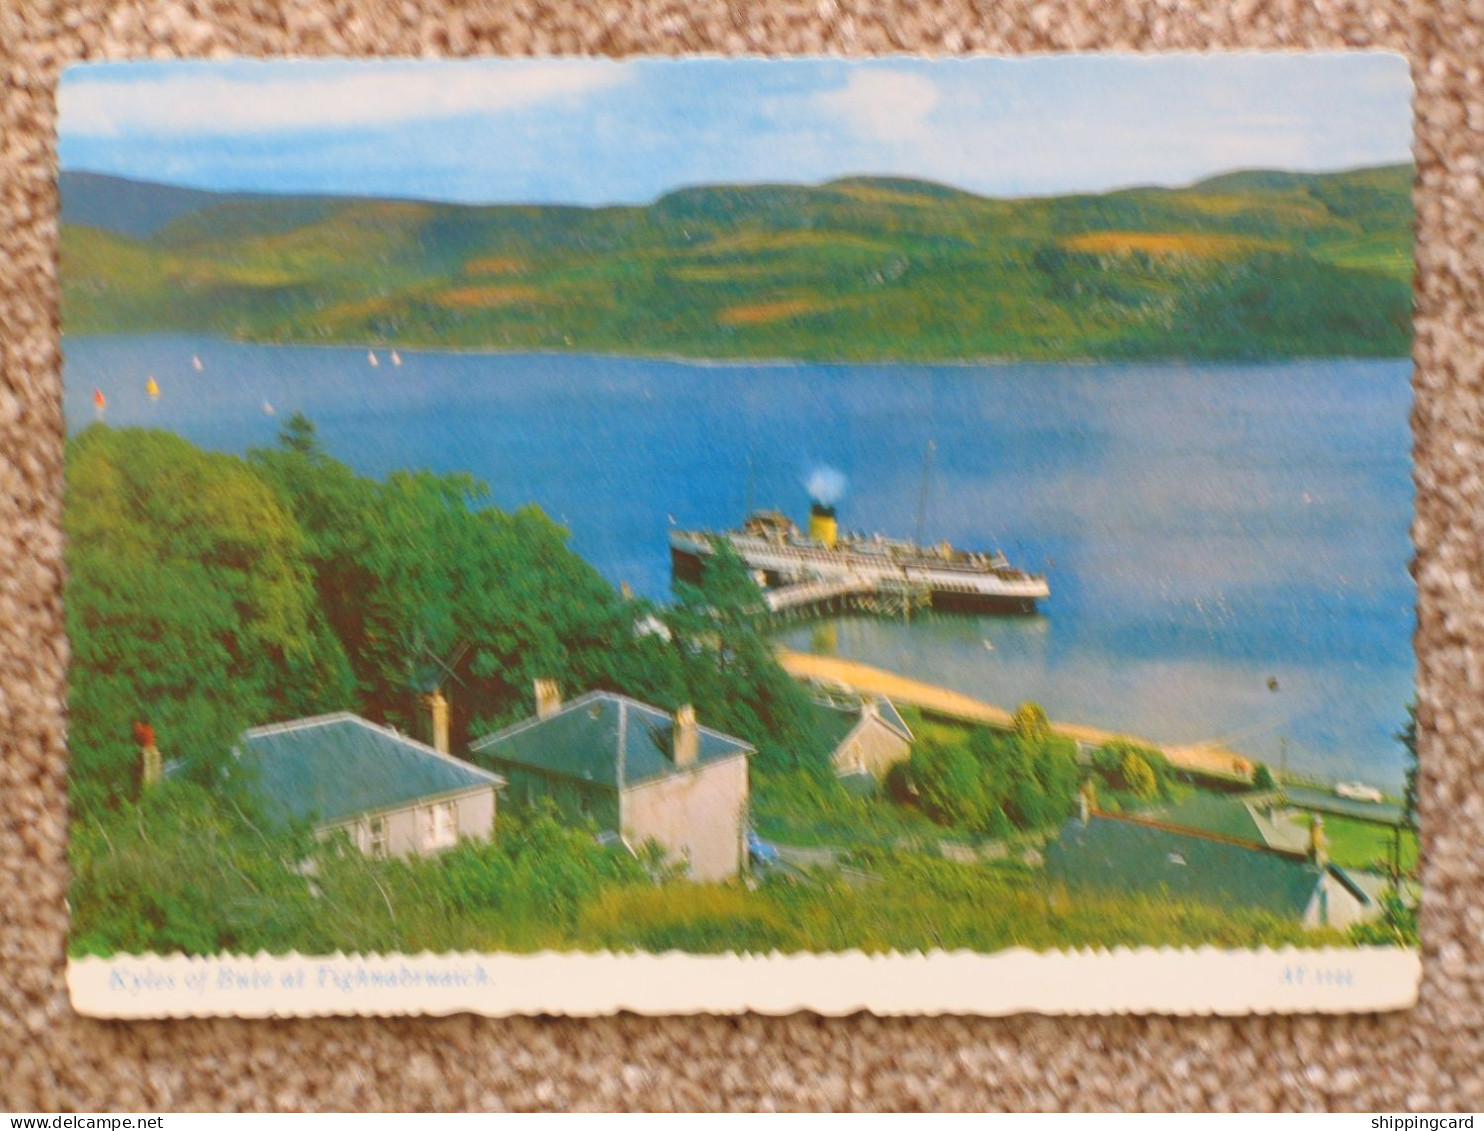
1146 980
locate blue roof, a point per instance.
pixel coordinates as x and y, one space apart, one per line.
604 738
1121 856
333 767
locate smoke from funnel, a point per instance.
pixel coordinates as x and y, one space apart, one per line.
826 485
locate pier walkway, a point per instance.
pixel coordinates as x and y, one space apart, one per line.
816 592
1208 759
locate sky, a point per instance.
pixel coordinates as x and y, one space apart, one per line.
588 131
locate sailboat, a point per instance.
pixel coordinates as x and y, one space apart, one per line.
396 358
371 358
152 388
100 402
268 409
196 363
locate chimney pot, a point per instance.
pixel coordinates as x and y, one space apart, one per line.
687 736
548 698
439 707
151 764
1318 842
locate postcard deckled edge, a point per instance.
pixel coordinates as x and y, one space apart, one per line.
1146 980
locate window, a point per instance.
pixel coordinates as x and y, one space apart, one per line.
376 839
440 826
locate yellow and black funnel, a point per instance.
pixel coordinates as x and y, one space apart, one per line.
822 526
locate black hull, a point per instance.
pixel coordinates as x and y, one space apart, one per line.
950 602
684 566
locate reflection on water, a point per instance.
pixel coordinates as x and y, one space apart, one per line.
1204 529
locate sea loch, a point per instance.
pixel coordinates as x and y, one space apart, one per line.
1226 545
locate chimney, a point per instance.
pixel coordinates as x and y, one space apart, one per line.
548 698
822 525
151 765
687 736
1318 843
439 707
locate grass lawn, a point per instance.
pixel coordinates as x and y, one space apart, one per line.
1360 844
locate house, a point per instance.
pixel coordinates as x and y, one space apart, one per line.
866 734
392 795
1099 854
633 771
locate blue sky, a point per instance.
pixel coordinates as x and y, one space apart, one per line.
599 132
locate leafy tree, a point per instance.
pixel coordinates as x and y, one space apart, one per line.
1262 777
728 669
1153 775
1138 777
426 585
190 604
1031 724
186 870
952 787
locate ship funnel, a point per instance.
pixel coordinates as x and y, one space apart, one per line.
822 526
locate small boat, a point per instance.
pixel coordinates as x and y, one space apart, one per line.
988 646
152 388
396 358
100 402
371 359
196 363
268 409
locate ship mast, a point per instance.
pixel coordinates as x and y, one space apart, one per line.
922 498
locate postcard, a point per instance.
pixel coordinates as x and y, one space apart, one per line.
677 535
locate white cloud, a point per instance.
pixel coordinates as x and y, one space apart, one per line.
882 105
309 97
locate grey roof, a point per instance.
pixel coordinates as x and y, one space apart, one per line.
604 738
1238 818
1123 856
835 718
332 767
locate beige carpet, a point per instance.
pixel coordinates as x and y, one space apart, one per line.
1428 1058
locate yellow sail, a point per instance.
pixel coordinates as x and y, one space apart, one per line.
151 388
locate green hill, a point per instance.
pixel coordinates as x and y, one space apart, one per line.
1253 264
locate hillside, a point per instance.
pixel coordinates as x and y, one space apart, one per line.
1254 264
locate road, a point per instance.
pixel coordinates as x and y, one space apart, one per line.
1376 812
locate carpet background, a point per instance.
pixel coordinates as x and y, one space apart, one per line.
1428 1058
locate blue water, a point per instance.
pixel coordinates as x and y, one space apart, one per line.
1205 528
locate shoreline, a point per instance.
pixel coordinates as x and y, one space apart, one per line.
1210 759
991 360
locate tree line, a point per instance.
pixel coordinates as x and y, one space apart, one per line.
210 593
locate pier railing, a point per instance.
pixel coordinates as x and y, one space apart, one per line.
852 593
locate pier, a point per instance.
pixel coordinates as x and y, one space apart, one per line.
850 593
1210 760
